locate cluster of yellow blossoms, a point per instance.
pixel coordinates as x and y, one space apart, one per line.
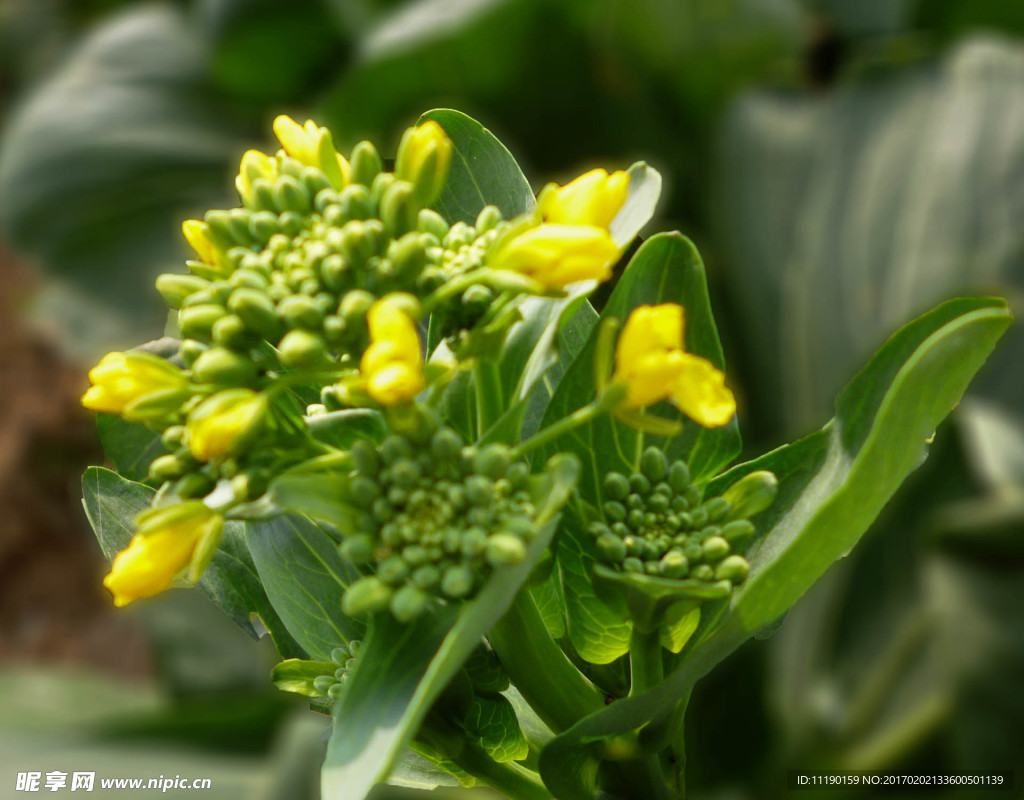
308 317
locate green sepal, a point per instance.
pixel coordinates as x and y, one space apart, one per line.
296 675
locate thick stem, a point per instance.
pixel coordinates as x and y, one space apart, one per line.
559 693
646 669
489 405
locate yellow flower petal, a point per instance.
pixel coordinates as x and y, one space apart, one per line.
558 255
651 328
594 198
122 379
392 366
223 422
700 393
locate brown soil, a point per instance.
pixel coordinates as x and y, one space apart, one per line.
52 605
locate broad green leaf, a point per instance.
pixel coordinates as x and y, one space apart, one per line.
831 487
551 604
230 581
492 722
482 171
304 576
297 675
402 669
342 428
644 193
130 445
420 769
666 269
598 629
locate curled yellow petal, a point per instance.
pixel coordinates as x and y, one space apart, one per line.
223 422
594 198
122 380
392 365
700 393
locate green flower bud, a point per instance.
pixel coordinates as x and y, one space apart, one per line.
424 156
477 299
446 445
429 221
734 568
658 502
357 243
492 461
364 491
405 473
173 437
191 350
503 549
426 577
408 603
257 311
698 518
300 311
314 181
219 230
715 549
354 307
615 486
674 565
222 367
231 332
303 350
166 468
393 570
633 564
751 494
614 511
364 457
291 195
474 542
635 519
395 448
653 464
430 280
611 548
339 655
196 322
717 508
703 572
195 484
366 163
738 530
479 490
408 255
399 208
457 581
263 225
334 329
692 495
355 202
175 288
694 552
358 549
368 595
639 484
488 219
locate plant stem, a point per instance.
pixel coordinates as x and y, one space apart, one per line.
645 663
487 386
559 693
577 418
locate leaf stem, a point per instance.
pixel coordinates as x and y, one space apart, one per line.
646 669
559 693
566 424
489 397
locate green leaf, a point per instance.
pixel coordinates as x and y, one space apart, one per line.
551 605
341 429
666 269
831 487
492 722
304 576
130 445
402 669
297 675
230 581
482 171
599 629
641 201
418 768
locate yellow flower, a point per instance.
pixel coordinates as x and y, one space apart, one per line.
222 423
557 255
313 146
137 385
594 198
424 156
651 363
255 165
165 545
392 365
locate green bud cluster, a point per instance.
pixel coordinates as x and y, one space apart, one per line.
437 517
344 658
658 523
302 262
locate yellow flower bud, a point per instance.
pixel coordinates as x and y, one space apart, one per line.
137 385
165 545
224 422
392 365
594 198
651 363
557 255
196 234
255 165
313 146
424 156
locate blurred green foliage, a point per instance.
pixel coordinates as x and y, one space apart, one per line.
841 166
